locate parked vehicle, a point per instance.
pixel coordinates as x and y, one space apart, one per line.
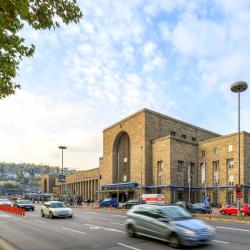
54 209
132 203
245 210
5 202
158 199
108 201
172 224
229 209
25 204
200 208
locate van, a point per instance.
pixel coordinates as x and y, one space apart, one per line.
154 199
109 201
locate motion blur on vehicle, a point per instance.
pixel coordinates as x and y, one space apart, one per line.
172 224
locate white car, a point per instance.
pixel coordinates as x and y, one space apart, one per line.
5 202
54 209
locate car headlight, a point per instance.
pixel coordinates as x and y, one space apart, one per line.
189 232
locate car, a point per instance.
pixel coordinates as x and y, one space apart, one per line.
54 209
171 223
108 202
200 208
245 210
5 202
228 210
132 203
25 204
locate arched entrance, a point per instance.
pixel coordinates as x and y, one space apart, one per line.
121 158
45 186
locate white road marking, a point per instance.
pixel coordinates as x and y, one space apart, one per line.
117 215
41 221
225 242
4 216
1 222
121 244
91 213
233 228
103 228
75 231
118 223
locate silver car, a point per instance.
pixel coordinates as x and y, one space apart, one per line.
172 224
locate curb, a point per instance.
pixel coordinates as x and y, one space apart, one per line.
7 245
224 220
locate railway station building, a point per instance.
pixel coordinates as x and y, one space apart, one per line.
148 152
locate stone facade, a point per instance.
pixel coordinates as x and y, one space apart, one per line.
47 183
82 183
152 153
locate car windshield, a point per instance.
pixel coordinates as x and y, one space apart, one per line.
57 205
24 202
176 213
108 199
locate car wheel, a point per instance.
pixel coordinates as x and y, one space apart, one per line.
131 230
243 213
33 209
174 241
51 216
71 216
42 213
223 212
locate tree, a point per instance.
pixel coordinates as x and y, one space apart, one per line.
40 15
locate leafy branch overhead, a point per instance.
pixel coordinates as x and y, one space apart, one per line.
40 15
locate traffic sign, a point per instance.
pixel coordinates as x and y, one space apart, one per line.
61 178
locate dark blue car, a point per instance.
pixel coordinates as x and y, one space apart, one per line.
200 208
109 201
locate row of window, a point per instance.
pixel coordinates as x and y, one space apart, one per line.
216 150
183 136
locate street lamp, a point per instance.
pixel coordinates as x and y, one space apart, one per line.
62 148
238 87
141 178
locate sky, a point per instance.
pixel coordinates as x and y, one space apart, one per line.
178 58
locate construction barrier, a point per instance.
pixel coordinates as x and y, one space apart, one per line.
14 210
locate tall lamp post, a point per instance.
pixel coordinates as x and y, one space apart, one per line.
141 178
238 87
62 148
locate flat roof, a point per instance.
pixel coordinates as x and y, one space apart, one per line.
144 110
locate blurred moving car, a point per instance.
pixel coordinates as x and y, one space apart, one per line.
25 204
54 209
5 202
108 202
170 223
228 210
132 203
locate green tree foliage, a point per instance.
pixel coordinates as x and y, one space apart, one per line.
14 15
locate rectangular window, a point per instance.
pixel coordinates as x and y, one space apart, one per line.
216 151
216 166
183 136
180 166
193 139
173 133
230 163
203 153
192 167
230 148
231 180
160 165
160 180
180 180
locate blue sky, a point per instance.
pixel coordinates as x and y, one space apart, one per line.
175 57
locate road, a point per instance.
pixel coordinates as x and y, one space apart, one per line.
98 229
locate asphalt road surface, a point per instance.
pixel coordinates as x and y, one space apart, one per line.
98 229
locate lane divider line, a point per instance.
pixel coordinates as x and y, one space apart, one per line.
224 242
117 215
118 223
233 228
75 231
124 245
41 221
